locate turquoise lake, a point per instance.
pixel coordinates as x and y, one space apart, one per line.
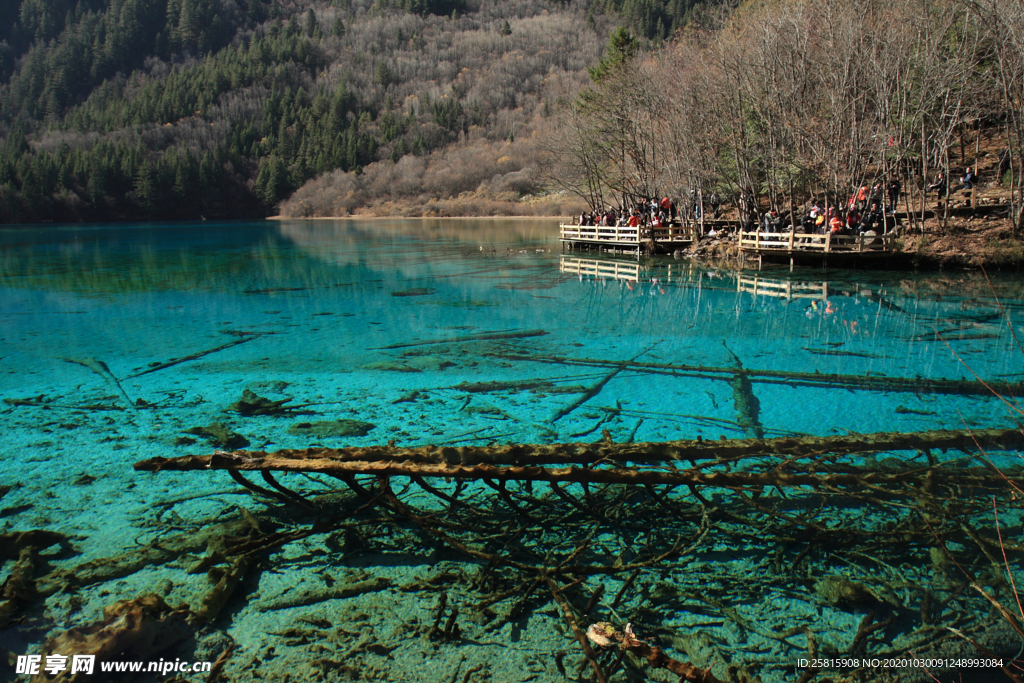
122 343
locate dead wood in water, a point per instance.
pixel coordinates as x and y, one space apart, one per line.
746 403
20 588
781 462
605 635
142 627
914 385
596 389
533 455
833 481
252 404
194 356
101 369
484 336
646 534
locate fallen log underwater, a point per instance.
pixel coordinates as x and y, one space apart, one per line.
651 536
791 461
747 405
914 385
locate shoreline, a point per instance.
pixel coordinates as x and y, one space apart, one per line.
360 217
969 243
962 247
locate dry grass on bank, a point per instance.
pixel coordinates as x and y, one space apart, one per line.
466 205
474 177
471 204
974 241
985 239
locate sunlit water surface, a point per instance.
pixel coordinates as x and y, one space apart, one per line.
115 340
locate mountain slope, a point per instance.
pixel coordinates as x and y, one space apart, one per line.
178 109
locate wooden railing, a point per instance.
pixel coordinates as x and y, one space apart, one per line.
827 243
600 233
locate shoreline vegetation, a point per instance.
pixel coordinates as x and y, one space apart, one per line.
220 109
984 244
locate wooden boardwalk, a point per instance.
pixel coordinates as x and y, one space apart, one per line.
663 240
813 248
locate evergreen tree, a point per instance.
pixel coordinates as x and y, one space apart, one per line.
621 49
311 24
145 187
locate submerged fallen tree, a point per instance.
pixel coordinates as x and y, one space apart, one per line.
868 382
323 459
737 463
795 503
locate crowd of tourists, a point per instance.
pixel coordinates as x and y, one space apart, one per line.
646 213
866 210
871 207
652 213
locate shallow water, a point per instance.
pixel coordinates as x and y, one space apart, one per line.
115 340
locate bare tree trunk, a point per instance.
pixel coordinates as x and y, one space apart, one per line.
924 172
945 210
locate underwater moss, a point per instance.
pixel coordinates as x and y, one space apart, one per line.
252 404
331 428
220 436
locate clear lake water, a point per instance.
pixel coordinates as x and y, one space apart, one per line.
121 343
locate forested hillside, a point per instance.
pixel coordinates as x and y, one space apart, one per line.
178 109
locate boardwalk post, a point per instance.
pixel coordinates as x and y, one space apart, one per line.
828 240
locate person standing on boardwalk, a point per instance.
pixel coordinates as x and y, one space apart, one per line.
668 207
853 221
893 189
969 180
835 222
876 193
862 198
